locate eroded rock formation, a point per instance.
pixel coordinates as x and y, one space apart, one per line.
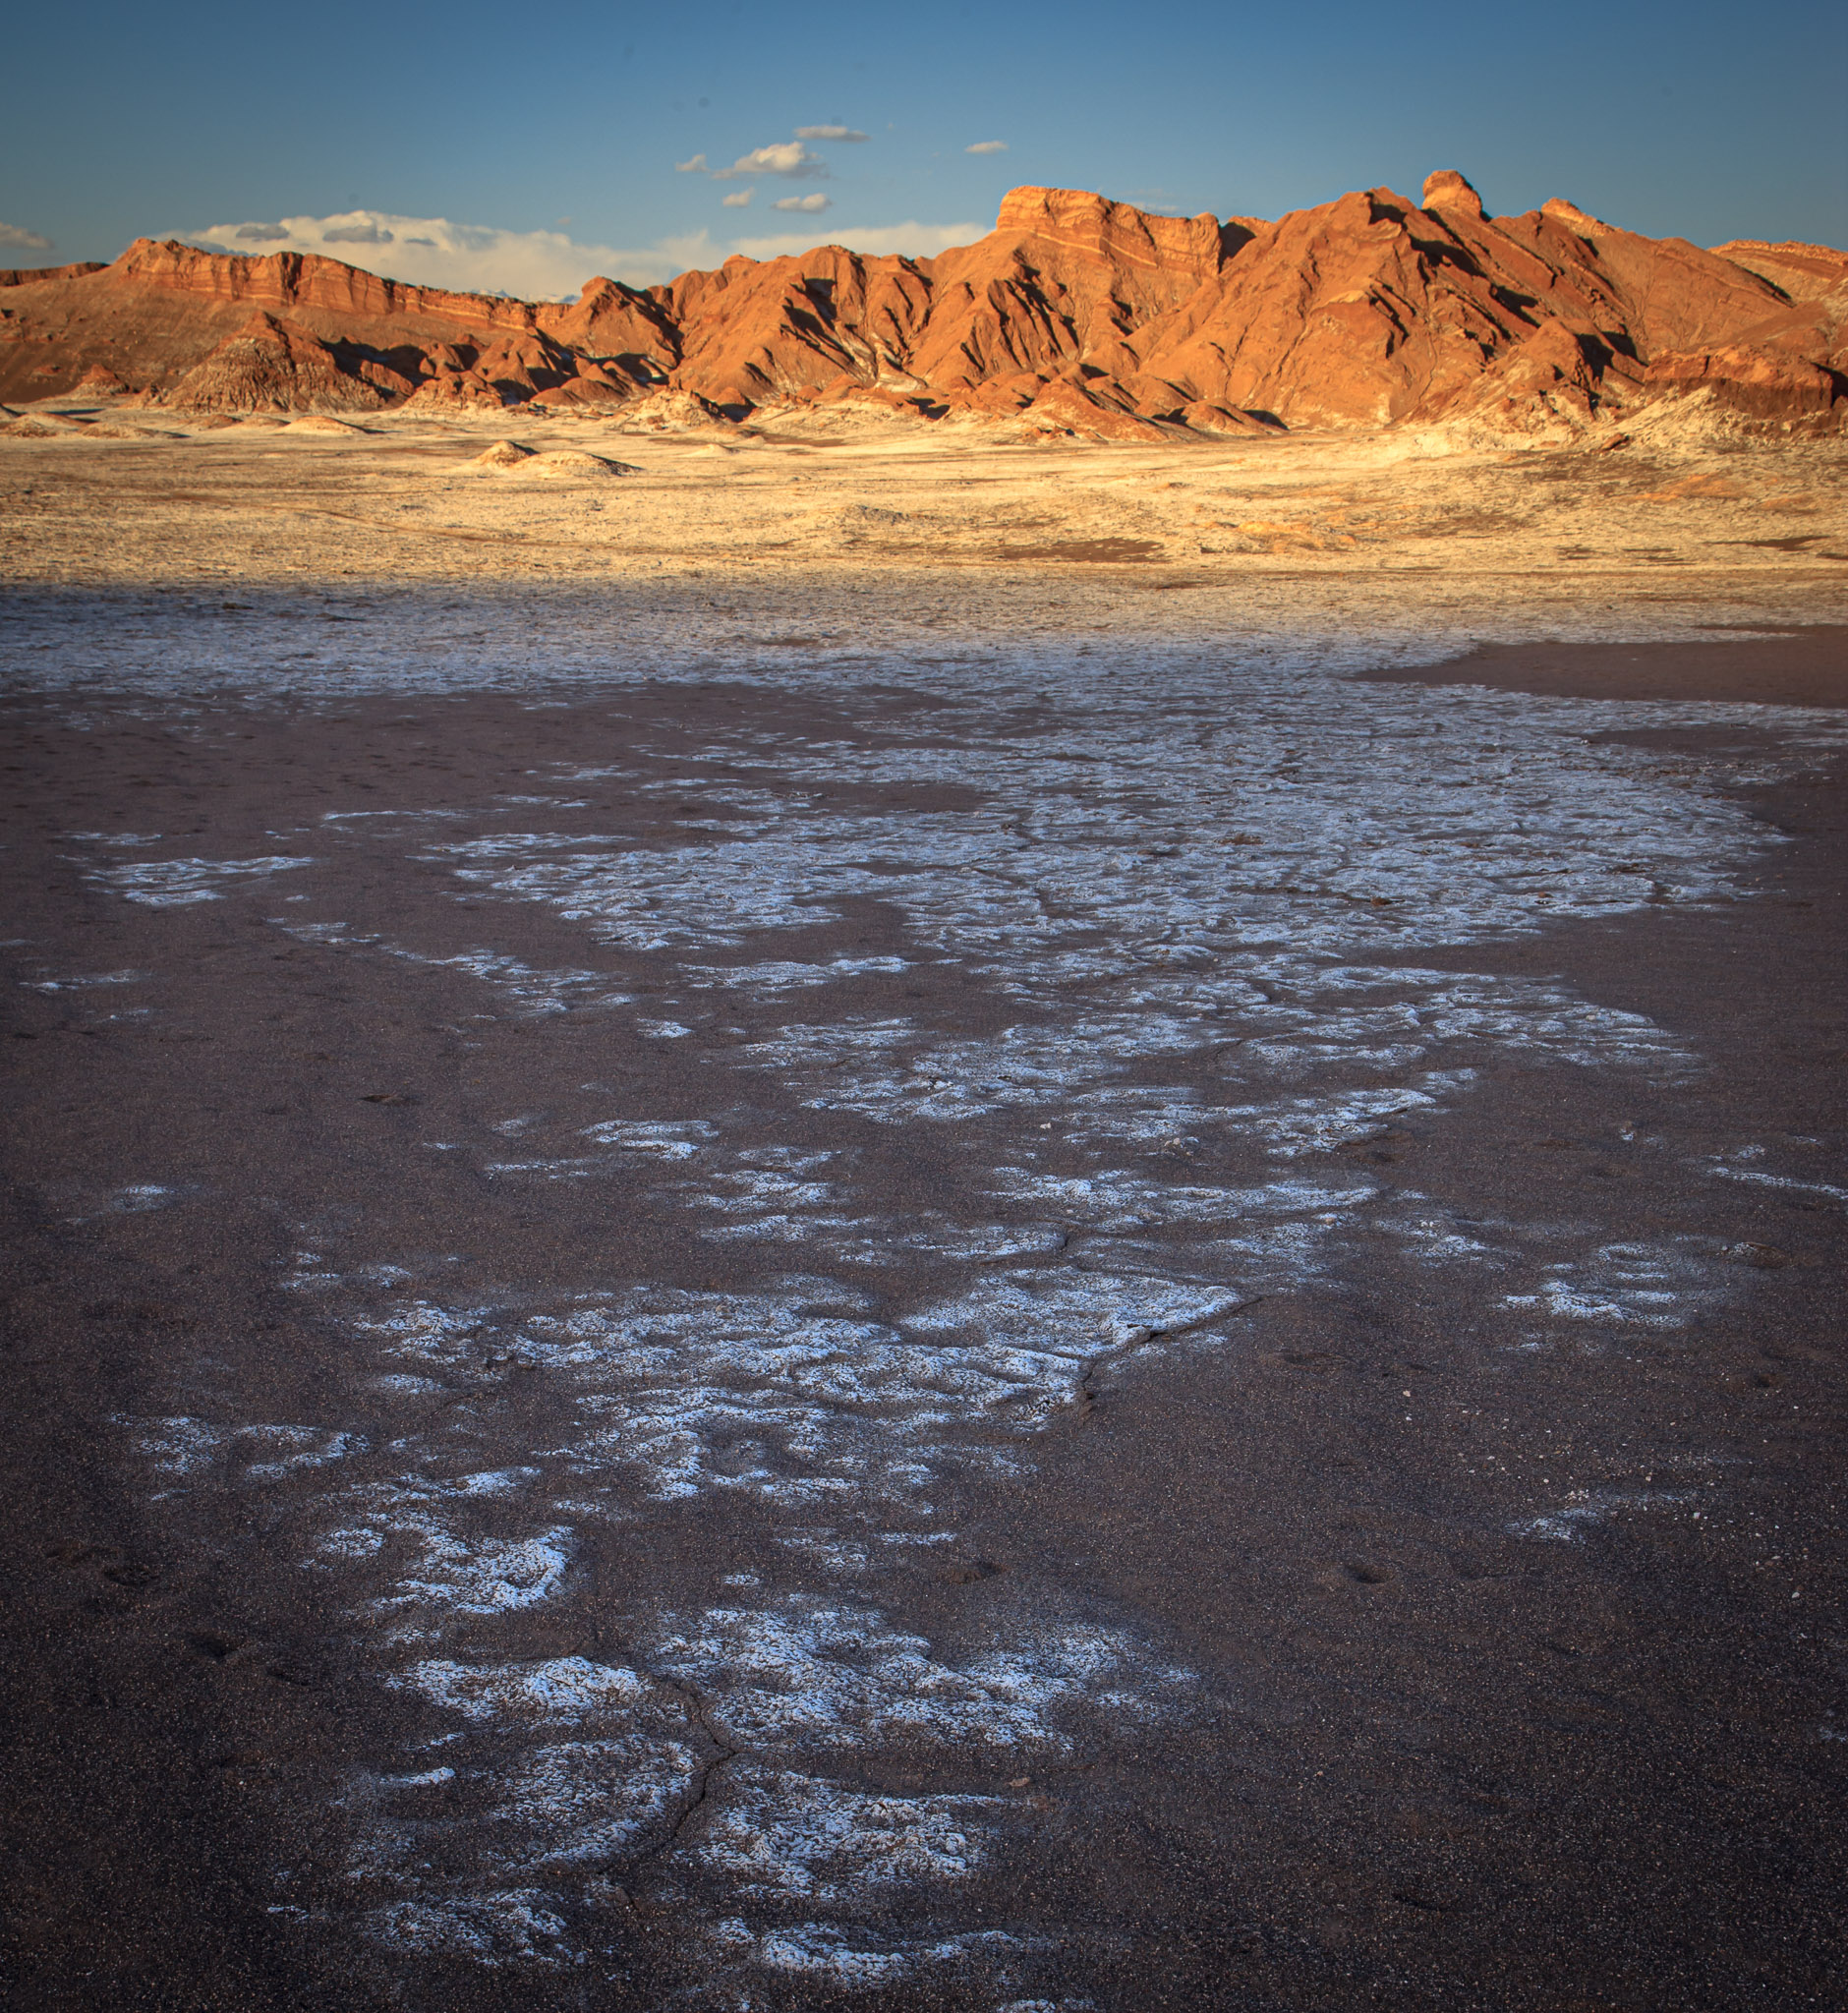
1074 314
273 367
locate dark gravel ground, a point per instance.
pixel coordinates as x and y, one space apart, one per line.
1437 1762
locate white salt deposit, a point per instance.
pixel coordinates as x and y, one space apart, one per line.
178 884
1143 986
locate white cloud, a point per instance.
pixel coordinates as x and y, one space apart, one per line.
787 158
696 166
913 240
25 241
827 133
987 147
739 198
812 204
545 266
431 251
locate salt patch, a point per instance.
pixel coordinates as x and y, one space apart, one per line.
83 983
511 1928
450 1573
1197 934
1763 1178
175 1445
586 1803
533 990
562 1690
178 884
672 1139
779 1834
1586 1508
1622 1285
289 1450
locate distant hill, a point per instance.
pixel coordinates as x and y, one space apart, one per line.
1074 314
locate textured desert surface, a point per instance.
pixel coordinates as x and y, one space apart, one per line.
839 1211
875 524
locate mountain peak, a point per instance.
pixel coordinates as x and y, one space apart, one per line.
1075 316
1447 190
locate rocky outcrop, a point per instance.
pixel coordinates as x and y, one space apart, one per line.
1372 309
38 275
1802 271
1760 384
672 412
271 367
1075 315
511 370
302 285
1447 191
1792 364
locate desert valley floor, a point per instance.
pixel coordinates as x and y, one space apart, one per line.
840 1214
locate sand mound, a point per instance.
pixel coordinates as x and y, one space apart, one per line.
567 462
320 422
113 429
212 423
671 412
31 430
509 457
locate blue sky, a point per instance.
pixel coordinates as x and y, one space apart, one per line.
483 146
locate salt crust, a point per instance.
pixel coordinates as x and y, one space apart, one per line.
1204 924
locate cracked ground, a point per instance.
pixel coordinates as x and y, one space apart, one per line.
1111 1325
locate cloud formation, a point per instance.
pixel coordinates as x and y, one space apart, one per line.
477 259
25 241
817 202
827 133
547 265
696 166
987 147
785 157
910 240
739 198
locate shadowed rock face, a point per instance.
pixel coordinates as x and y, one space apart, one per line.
1074 314
269 365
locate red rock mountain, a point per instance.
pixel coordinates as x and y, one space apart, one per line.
1075 313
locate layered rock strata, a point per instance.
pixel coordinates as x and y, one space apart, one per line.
1075 315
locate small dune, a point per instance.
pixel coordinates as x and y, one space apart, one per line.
568 462
565 463
111 429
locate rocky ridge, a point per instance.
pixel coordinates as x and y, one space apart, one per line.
1074 315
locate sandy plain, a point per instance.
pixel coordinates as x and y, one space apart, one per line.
947 524
923 1224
